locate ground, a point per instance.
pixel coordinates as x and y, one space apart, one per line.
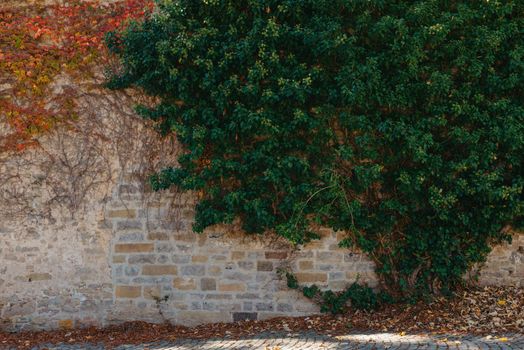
312 340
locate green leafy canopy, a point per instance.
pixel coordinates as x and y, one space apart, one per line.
399 122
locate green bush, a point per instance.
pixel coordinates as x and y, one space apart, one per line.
399 122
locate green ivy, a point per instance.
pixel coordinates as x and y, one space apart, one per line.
358 296
398 122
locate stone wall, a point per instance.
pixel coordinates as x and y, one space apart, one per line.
131 255
84 242
162 270
505 265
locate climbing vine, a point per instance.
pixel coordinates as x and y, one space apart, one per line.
398 122
356 296
38 45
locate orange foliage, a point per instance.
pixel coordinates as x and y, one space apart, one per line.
36 45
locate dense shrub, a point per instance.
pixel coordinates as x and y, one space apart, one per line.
400 122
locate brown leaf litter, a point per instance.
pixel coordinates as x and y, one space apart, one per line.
477 311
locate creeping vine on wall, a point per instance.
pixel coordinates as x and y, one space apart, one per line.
399 122
39 44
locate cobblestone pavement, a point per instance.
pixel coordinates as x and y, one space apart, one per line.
312 341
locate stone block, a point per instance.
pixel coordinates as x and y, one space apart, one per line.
214 270
208 306
162 259
129 225
208 284
232 287
65 324
153 292
132 270
264 266
186 237
184 283
264 306
142 259
185 248
276 255
122 213
248 296
304 254
352 257
244 316
313 245
134 248
193 270
335 276
195 305
180 259
131 237
255 255
193 318
152 279
329 256
325 267
128 291
238 255
164 247
311 277
118 259
283 307
246 265
219 297
305 265
158 236
239 276
199 258
159 270
32 277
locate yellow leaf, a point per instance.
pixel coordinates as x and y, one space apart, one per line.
503 339
402 334
501 302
